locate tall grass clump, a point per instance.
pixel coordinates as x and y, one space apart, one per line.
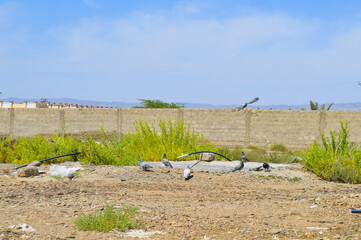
109 151
150 141
110 218
174 138
336 159
27 149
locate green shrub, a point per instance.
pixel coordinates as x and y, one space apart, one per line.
174 139
254 148
233 154
7 150
336 159
279 148
122 219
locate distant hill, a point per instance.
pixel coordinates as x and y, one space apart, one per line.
339 106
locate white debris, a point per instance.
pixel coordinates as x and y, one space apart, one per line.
140 233
24 227
63 171
317 228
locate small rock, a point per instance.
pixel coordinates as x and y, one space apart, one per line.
28 172
207 157
275 231
35 164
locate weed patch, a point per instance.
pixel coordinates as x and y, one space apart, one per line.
336 159
110 218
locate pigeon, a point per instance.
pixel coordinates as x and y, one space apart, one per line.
166 162
244 158
70 176
144 165
266 167
187 172
246 104
257 169
241 165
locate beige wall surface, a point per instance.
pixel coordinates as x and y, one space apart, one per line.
224 127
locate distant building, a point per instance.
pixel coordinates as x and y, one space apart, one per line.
43 104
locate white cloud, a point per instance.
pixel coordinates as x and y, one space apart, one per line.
157 55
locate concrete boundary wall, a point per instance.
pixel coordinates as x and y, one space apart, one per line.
224 127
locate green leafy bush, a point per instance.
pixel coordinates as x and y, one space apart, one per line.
25 150
279 148
174 139
336 159
121 219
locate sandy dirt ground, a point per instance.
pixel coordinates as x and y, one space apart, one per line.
287 203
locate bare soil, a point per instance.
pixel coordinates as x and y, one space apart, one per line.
281 204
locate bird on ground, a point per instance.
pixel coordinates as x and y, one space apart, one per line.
241 164
166 161
266 167
187 173
239 167
246 104
70 176
257 169
188 170
244 158
144 165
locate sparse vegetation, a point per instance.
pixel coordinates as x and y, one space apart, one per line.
294 179
271 176
336 159
110 218
279 148
174 138
257 155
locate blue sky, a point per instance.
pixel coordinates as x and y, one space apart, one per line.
215 52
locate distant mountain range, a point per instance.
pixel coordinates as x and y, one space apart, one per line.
338 106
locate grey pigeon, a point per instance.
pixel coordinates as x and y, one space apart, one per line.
244 158
70 176
266 167
144 165
246 104
187 173
166 161
257 169
241 164
239 167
